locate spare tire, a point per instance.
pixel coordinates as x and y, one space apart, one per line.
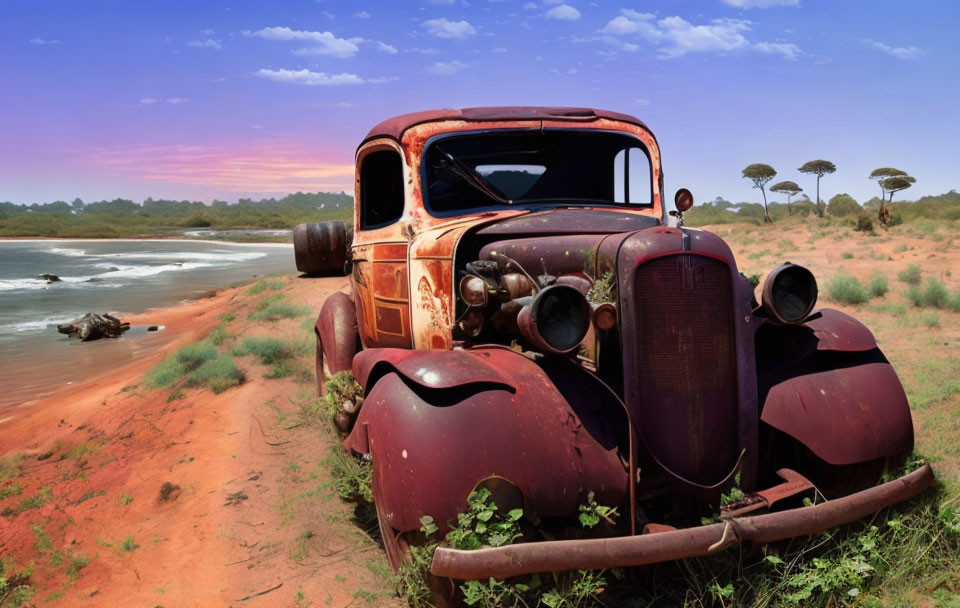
320 247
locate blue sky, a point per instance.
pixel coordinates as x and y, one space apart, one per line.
204 100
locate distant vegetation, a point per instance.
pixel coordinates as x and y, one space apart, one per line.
125 218
842 207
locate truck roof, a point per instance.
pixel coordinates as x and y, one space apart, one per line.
396 126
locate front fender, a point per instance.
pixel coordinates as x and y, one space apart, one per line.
488 413
834 391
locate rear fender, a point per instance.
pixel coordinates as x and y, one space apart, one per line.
488 413
839 396
336 330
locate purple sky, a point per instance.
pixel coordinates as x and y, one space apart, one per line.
204 100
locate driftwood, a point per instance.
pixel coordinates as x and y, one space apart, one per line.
92 326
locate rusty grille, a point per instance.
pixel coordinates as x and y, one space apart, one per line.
685 361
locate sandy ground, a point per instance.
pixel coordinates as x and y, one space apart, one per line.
250 513
253 520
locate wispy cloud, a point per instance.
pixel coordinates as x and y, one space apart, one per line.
444 28
309 78
148 101
564 12
362 15
259 167
760 3
42 41
446 68
383 47
323 43
675 36
900 52
176 100
209 43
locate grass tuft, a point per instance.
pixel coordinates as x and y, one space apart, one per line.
265 284
846 289
911 275
878 285
195 365
268 350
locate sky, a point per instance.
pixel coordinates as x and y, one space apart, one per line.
203 100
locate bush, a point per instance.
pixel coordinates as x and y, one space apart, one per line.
843 205
196 364
878 285
911 275
218 375
264 284
268 350
864 224
277 311
934 294
846 289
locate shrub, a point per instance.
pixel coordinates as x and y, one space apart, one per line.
217 374
846 289
271 308
878 285
930 319
911 275
864 224
196 364
846 255
264 284
934 294
268 350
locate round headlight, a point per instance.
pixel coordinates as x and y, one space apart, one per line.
789 293
557 320
473 290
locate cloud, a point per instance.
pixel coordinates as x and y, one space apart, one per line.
760 3
446 68
263 166
148 100
176 100
209 43
362 15
785 49
442 2
900 52
309 78
675 36
325 43
383 47
564 12
208 32
42 41
641 102
443 28
530 6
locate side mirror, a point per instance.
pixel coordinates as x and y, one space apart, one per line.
683 200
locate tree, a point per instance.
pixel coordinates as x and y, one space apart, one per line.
760 174
881 175
898 183
791 189
818 168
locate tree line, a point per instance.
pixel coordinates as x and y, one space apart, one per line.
124 217
890 180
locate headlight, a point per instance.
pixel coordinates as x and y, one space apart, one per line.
789 293
557 320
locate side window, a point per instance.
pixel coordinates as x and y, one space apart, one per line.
381 189
631 177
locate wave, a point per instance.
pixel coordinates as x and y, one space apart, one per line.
220 255
65 282
102 280
36 324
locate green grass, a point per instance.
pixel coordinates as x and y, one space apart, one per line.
195 365
930 319
265 284
274 311
846 289
878 284
846 255
911 275
127 545
11 466
268 350
10 489
36 501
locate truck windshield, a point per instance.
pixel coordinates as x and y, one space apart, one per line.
553 167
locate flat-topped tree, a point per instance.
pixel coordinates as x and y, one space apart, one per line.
818 168
880 176
791 189
891 185
760 174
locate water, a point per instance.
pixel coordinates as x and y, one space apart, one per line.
122 277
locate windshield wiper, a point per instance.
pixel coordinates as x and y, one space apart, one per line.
471 177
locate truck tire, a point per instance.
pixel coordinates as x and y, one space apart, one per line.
320 248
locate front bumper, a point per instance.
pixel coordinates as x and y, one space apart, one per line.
624 551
